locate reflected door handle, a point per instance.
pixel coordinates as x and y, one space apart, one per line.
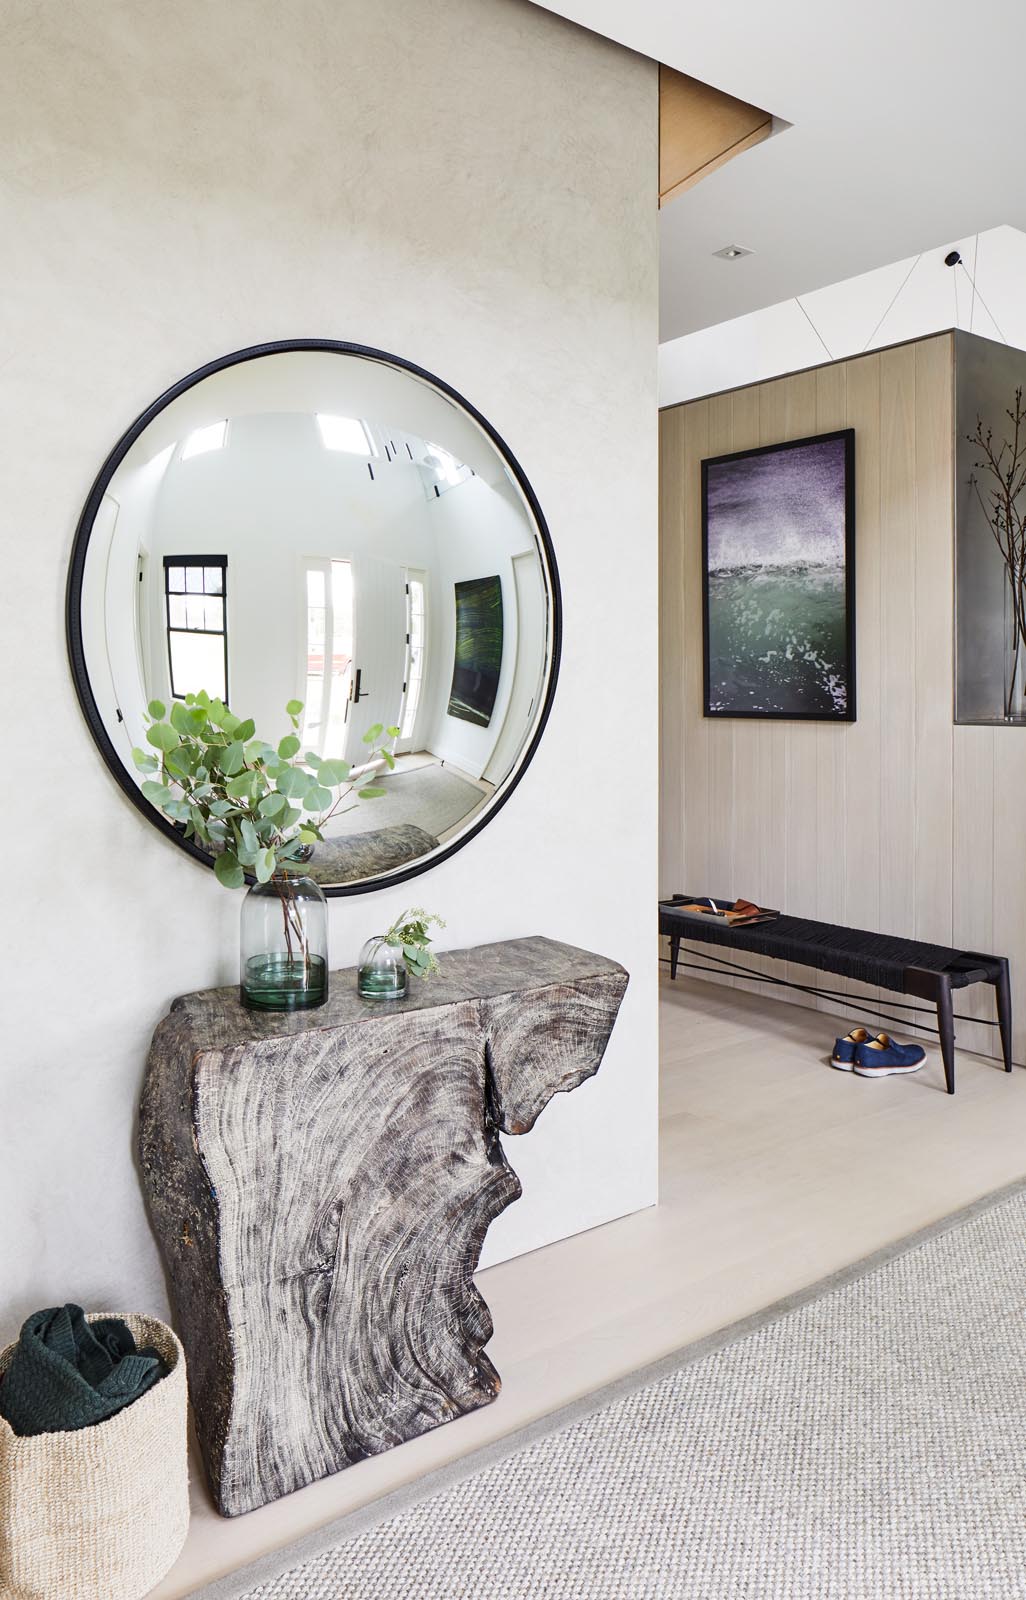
357 695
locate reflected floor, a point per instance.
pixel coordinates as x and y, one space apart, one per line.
422 793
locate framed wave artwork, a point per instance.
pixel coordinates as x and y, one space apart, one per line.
778 580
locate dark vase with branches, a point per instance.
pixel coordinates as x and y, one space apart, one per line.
999 482
260 809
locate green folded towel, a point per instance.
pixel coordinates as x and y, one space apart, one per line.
68 1373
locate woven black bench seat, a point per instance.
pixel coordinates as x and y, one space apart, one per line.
906 966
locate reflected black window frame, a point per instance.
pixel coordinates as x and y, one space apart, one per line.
172 563
125 780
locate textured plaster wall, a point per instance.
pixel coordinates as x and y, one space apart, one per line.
466 182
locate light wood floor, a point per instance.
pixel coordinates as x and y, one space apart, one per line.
776 1170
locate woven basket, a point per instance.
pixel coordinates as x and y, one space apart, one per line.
98 1513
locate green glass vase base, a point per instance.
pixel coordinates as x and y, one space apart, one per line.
284 983
380 985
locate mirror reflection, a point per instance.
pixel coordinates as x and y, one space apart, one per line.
323 527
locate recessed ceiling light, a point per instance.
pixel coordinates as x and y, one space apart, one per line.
731 252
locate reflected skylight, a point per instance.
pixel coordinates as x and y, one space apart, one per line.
212 437
344 433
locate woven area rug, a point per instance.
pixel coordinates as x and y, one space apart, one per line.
433 798
863 1441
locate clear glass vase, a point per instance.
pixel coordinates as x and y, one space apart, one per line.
382 971
1015 662
284 945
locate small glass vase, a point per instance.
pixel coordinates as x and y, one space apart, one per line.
284 945
382 971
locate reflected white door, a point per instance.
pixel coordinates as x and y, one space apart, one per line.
326 669
379 608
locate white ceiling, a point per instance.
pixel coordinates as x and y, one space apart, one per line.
906 131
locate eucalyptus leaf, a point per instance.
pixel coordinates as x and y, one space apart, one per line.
177 764
316 798
288 746
370 793
294 707
144 761
294 782
374 733
244 730
228 871
159 793
334 772
233 759
243 785
188 719
157 710
161 735
393 732
265 865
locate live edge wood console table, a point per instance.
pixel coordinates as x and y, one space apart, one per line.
321 1185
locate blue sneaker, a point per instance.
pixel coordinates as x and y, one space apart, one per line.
883 1058
844 1049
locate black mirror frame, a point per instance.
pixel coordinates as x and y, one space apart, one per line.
73 600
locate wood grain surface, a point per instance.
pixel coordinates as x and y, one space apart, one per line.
321 1186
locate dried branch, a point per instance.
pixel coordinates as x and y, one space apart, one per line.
1005 467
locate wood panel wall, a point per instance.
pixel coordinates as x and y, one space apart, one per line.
900 821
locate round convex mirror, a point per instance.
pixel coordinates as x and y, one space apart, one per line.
321 526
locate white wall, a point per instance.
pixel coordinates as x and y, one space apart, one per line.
905 300
186 181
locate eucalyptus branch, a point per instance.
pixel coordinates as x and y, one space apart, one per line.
410 932
255 805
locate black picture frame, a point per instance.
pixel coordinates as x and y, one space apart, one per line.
848 714
76 573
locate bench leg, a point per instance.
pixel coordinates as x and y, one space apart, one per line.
946 1028
674 953
1003 992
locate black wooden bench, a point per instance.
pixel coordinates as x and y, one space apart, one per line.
906 966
